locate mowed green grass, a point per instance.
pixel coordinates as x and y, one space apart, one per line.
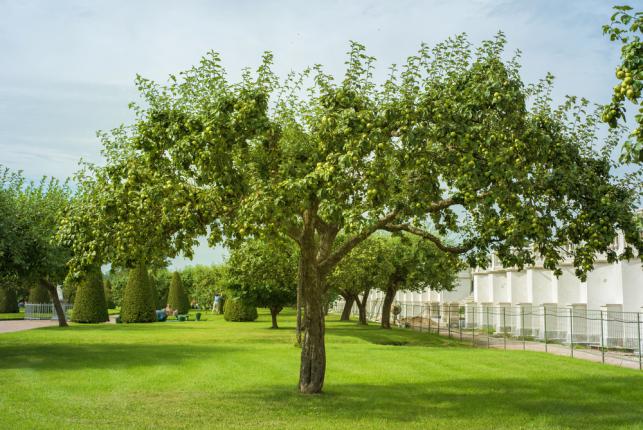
216 374
13 316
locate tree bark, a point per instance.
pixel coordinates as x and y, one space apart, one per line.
274 311
361 306
386 307
348 306
313 350
62 321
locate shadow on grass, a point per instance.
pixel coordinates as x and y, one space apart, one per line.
103 356
396 337
604 402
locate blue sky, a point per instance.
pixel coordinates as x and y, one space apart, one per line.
68 67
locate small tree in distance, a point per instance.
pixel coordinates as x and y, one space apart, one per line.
139 302
264 273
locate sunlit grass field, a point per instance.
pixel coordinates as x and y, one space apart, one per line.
217 374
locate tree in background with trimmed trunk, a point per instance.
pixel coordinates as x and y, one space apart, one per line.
30 214
8 300
264 273
364 268
451 142
416 265
89 303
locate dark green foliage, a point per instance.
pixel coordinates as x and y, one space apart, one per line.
8 301
69 290
89 304
160 279
177 299
236 309
138 304
107 286
39 294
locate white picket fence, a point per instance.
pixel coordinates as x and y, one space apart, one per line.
45 311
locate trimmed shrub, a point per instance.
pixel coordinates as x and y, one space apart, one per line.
139 301
39 294
108 295
236 309
8 301
177 299
89 304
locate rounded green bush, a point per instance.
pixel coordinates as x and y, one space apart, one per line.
8 301
139 301
89 303
237 310
177 298
39 294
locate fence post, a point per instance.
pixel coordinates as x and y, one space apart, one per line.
602 348
504 327
571 330
487 329
430 306
522 325
474 326
439 317
461 320
449 319
545 324
638 328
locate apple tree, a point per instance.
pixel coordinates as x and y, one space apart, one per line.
451 144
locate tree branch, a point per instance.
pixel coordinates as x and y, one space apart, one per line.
326 265
461 249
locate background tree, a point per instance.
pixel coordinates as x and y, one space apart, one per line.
454 143
416 265
89 303
139 302
8 300
237 309
107 286
365 268
31 214
625 28
177 298
264 273
39 294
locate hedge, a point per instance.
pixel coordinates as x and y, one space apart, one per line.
177 299
89 303
236 309
139 300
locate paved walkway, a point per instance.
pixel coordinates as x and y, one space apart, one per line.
20 325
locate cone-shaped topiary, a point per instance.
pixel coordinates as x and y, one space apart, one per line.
39 294
89 304
236 309
108 295
138 304
177 299
8 301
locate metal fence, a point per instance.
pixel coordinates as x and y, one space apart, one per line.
601 335
45 311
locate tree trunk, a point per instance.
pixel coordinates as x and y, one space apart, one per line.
313 350
361 306
348 306
299 304
386 307
62 321
274 311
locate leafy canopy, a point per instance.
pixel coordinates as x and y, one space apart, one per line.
452 139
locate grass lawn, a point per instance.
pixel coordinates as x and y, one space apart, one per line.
17 316
216 374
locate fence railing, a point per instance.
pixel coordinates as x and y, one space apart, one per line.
45 311
613 335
